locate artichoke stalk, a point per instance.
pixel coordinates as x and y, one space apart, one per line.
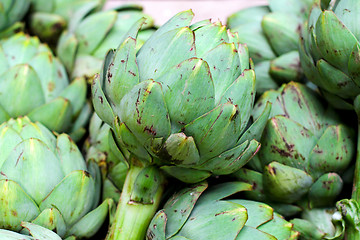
45 180
180 106
12 11
272 35
82 47
329 54
199 212
305 149
34 83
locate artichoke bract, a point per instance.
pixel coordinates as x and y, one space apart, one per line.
11 12
201 213
63 193
319 224
181 104
82 47
34 83
48 18
329 51
272 35
35 232
305 148
99 149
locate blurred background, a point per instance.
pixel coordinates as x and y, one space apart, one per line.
163 10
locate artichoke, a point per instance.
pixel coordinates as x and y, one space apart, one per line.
182 105
82 47
272 35
200 213
45 180
48 18
37 232
34 83
305 148
99 149
12 11
319 224
330 50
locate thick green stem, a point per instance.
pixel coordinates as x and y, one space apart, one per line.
138 203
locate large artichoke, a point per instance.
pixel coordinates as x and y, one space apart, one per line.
272 35
83 46
44 179
305 148
98 147
11 12
181 103
200 213
33 82
48 18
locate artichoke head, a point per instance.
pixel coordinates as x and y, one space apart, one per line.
330 50
305 149
34 83
45 180
11 12
183 101
200 213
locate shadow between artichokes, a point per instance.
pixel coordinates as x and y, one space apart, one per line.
179 106
45 180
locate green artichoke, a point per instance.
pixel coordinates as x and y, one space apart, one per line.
34 83
330 50
12 11
181 104
319 224
44 179
83 47
272 35
305 148
48 18
98 149
37 232
200 213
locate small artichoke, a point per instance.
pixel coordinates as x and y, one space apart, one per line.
305 148
200 213
272 35
99 149
45 180
48 18
330 50
82 47
12 11
34 83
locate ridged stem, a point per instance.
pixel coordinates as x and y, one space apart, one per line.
138 203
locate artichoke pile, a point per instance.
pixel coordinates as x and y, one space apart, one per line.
194 130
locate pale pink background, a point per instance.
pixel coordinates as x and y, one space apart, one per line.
161 10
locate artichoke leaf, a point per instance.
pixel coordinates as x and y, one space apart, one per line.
52 219
18 207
